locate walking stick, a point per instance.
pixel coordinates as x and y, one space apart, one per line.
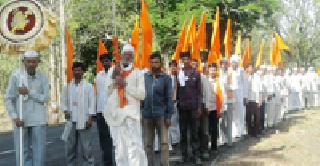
21 159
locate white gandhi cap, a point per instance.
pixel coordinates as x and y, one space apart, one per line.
30 54
235 58
127 48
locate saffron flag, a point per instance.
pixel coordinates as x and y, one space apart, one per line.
135 43
69 56
180 43
214 55
101 50
247 54
238 44
202 32
260 54
275 56
146 27
190 34
228 40
219 97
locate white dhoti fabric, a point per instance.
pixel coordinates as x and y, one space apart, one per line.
271 114
174 129
294 101
127 139
238 119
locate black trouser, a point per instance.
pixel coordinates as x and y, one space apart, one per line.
188 121
105 140
214 129
253 118
203 132
262 109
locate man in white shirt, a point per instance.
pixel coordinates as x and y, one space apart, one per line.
312 77
294 90
223 123
271 100
252 111
103 128
263 96
211 103
78 104
174 129
237 87
125 89
228 101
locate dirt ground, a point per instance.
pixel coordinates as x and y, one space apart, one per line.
294 142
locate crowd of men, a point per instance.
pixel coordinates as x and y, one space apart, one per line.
140 111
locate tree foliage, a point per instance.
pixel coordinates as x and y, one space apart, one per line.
88 21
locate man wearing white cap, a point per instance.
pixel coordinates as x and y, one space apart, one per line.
33 87
237 88
125 89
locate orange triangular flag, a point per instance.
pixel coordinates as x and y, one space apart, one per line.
247 54
238 44
228 40
190 34
180 43
202 32
101 50
135 43
214 55
146 27
280 43
69 56
219 97
260 54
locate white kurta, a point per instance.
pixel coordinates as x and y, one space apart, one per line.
125 126
278 98
101 91
239 109
174 129
294 93
253 88
79 101
271 103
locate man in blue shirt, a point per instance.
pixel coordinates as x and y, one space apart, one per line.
32 86
157 110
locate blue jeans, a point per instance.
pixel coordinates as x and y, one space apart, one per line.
35 137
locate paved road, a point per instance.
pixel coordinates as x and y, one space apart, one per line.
55 147
238 154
